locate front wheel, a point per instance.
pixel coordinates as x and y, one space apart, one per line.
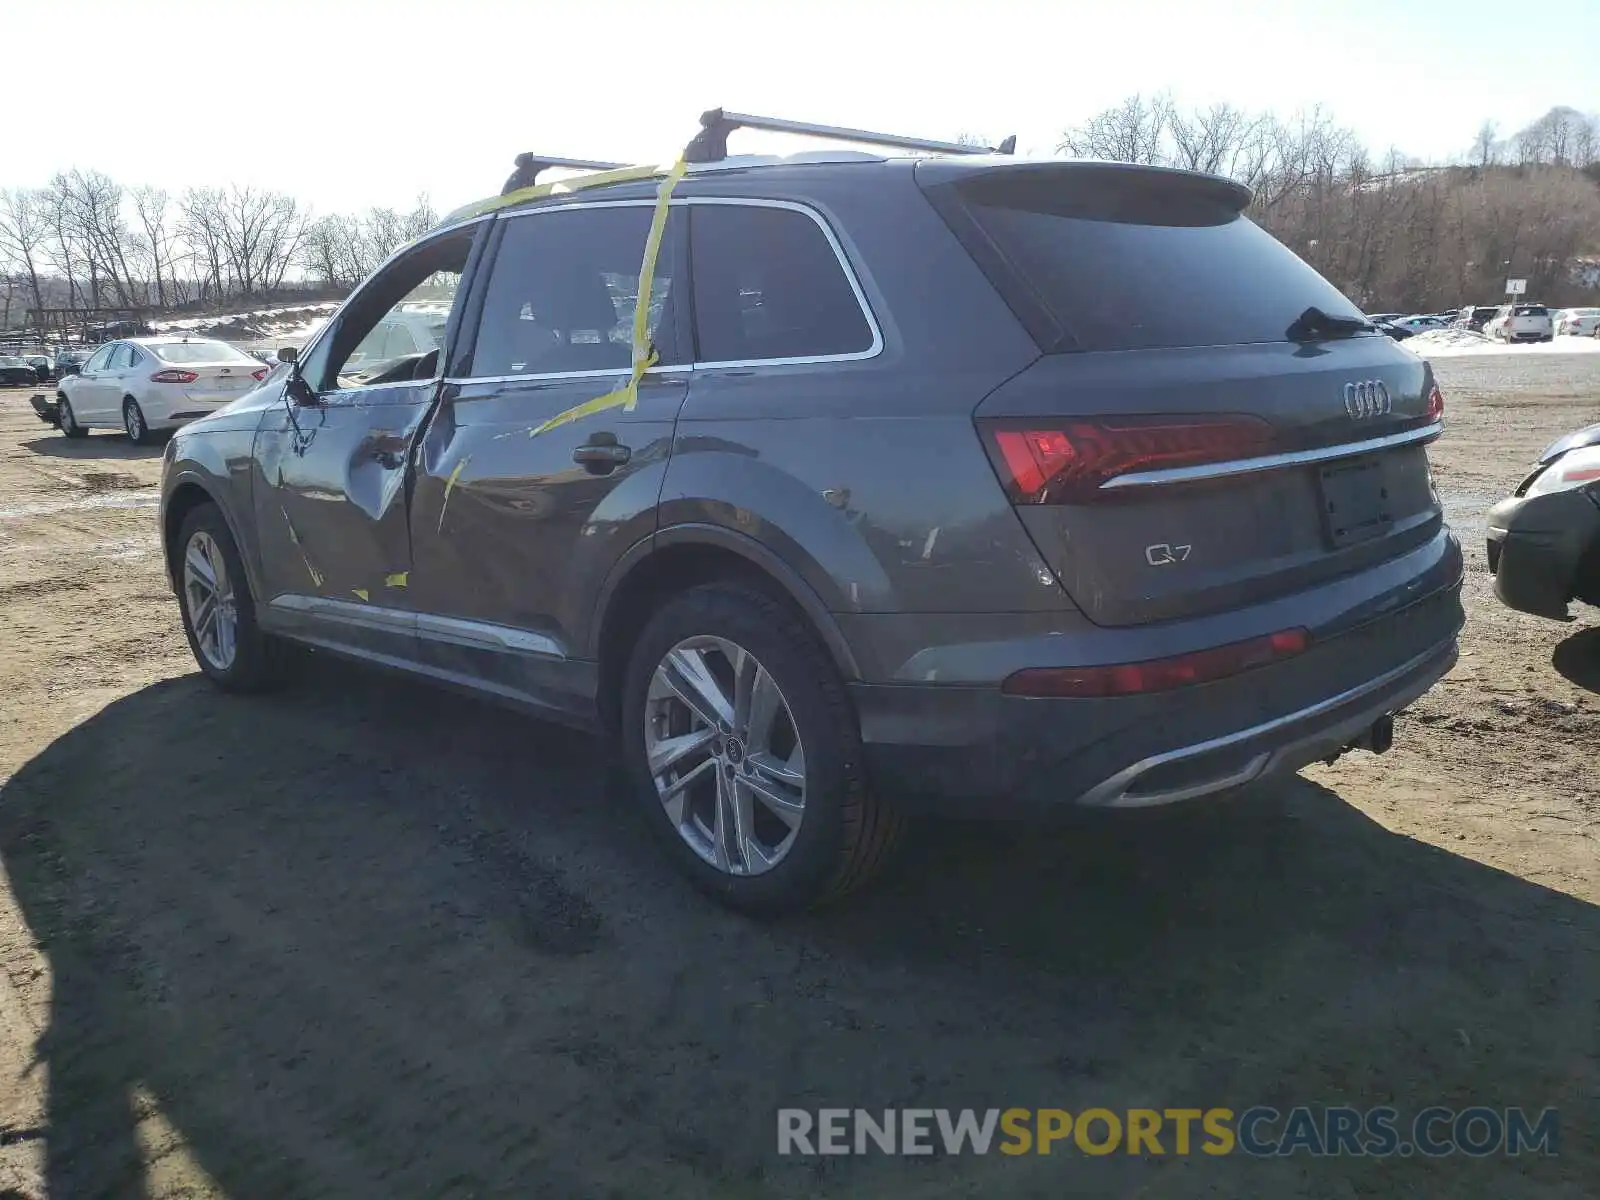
68 420
133 421
746 755
219 614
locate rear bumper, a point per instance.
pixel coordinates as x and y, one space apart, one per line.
1536 546
972 751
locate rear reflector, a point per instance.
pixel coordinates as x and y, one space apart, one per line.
1159 674
1066 462
174 377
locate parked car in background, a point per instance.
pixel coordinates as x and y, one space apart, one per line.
1475 317
1544 539
17 372
1384 318
748 573
142 385
1521 323
1398 332
1577 322
1421 322
44 368
68 361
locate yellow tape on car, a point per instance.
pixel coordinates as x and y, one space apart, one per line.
644 355
541 190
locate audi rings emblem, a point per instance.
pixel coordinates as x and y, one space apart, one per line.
1369 398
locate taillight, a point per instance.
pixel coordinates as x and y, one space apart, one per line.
1066 462
258 376
174 377
1435 404
1160 674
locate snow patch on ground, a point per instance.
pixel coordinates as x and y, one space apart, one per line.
288 325
1456 343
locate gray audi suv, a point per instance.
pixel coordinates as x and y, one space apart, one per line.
947 484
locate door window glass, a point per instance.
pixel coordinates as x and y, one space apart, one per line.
413 295
564 289
98 360
767 284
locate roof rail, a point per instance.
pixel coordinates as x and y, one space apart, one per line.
711 143
529 166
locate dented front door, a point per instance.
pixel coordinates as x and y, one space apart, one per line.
331 511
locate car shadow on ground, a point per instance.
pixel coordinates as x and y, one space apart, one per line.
362 938
99 444
1577 659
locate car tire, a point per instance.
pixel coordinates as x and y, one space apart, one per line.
133 422
67 420
237 659
841 834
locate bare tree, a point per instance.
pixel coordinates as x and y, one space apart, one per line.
23 233
155 240
1483 145
1131 132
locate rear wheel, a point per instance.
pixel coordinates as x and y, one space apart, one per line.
133 421
67 420
219 614
745 752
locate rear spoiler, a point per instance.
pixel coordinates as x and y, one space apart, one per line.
932 172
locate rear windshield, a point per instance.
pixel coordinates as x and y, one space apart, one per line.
1124 261
200 352
1530 310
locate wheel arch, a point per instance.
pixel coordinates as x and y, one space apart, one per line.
187 493
673 561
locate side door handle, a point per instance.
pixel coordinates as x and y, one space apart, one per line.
601 454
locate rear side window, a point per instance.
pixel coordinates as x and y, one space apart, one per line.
769 285
1122 260
563 291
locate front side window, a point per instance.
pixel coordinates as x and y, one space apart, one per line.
98 361
564 289
416 289
768 284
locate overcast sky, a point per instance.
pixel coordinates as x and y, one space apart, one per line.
348 104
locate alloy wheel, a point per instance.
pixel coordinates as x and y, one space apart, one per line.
725 755
209 600
133 421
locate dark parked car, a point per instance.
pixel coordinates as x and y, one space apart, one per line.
1544 539
17 372
1398 332
68 362
1475 317
958 484
43 368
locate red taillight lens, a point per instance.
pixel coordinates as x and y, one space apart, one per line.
258 376
1435 404
174 377
1066 462
1160 674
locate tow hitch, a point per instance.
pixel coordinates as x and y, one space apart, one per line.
1378 738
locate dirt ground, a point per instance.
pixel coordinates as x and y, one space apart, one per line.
362 939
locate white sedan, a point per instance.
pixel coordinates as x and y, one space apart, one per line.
1579 322
142 385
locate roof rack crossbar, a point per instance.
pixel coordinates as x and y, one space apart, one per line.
711 143
530 165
